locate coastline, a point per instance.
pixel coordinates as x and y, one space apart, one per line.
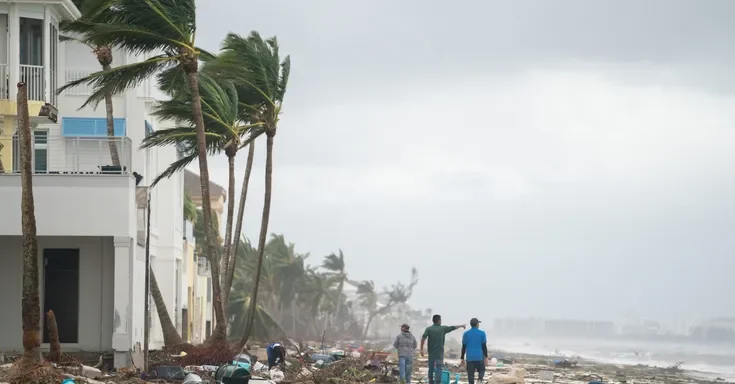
538 369
587 370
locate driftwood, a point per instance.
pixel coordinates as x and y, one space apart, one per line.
53 337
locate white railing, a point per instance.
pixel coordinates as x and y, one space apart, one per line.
144 89
4 79
76 74
33 76
69 155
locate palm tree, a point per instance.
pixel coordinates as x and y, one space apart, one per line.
103 53
336 265
266 324
171 336
31 303
316 296
166 29
225 131
190 209
256 62
397 294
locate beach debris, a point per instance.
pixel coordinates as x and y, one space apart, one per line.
515 376
565 363
89 372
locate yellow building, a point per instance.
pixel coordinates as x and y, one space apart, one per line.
199 277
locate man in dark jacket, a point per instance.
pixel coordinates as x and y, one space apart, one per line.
405 344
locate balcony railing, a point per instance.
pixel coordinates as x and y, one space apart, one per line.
33 76
145 88
68 155
76 74
4 79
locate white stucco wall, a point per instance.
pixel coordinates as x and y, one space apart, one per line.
72 205
95 290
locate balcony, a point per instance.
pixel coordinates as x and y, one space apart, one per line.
68 155
144 89
76 189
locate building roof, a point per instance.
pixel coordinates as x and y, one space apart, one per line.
194 187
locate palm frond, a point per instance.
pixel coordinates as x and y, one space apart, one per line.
140 25
177 135
175 167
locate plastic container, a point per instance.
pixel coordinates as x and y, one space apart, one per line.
456 378
446 376
68 381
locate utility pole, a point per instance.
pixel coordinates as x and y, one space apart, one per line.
147 320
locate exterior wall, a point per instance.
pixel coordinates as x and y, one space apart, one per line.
72 205
96 282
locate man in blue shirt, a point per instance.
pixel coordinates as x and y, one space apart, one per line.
276 354
474 344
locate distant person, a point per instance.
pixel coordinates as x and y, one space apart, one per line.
474 343
435 333
405 344
276 354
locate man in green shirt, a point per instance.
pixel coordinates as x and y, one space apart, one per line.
435 334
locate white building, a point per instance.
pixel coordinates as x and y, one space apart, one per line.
90 225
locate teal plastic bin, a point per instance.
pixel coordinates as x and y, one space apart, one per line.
446 376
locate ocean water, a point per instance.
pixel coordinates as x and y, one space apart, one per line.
709 361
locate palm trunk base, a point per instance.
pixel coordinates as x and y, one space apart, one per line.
219 335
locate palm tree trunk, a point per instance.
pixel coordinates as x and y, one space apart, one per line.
224 260
31 303
340 288
111 125
230 270
170 335
367 326
263 233
220 329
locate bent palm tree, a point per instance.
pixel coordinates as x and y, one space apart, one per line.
256 63
166 29
225 131
171 337
103 53
336 265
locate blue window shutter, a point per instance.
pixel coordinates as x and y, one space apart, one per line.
91 126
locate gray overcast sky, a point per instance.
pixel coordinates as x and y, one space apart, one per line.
554 158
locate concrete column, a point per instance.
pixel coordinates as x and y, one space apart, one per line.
122 338
13 50
47 54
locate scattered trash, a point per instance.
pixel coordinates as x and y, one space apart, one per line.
192 378
89 372
565 363
515 376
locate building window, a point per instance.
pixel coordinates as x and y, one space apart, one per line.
40 151
31 41
54 48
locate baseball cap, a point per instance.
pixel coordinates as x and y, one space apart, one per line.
474 321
